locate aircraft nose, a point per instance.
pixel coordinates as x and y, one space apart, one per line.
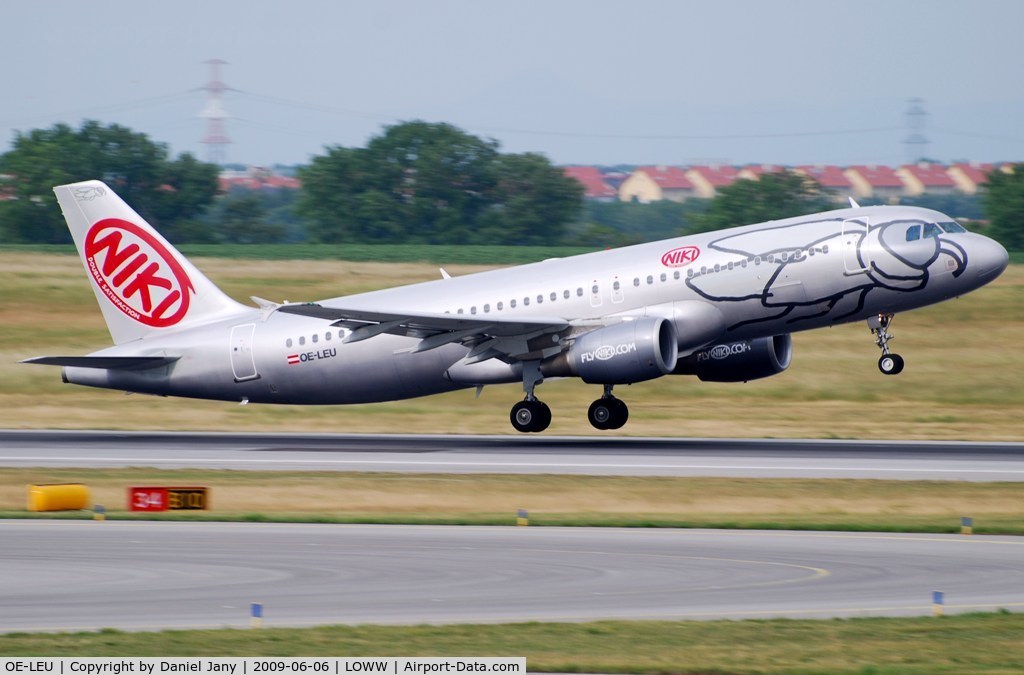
989 258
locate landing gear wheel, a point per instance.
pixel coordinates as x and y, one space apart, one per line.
530 416
891 364
608 413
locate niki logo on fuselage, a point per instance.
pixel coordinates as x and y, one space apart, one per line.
137 273
307 357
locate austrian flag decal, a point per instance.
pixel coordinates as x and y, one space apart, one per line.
137 273
680 257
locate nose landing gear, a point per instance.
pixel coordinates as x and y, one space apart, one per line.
888 363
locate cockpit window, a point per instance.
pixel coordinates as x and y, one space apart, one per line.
952 227
913 233
931 230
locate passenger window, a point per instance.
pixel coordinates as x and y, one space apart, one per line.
302 340
526 301
636 281
540 299
327 336
579 292
316 338
288 342
650 280
663 277
689 273
675 275
487 308
913 233
472 310
501 306
512 303
554 296
460 311
616 286
566 294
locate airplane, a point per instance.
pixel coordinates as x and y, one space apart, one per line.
719 305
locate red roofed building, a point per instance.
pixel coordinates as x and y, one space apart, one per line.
593 182
656 183
707 180
879 182
926 177
256 178
831 179
755 171
970 177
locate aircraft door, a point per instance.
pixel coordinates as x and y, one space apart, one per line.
617 289
856 256
243 365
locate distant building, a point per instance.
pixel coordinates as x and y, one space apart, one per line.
970 177
755 171
256 178
707 180
656 183
593 181
832 180
873 181
925 177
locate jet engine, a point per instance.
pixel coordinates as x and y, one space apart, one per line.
627 352
739 361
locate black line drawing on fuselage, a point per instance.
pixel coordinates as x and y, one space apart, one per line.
895 255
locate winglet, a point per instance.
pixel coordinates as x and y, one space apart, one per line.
853 203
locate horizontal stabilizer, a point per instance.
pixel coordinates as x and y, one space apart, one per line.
105 362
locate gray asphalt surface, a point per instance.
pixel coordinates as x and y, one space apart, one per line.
60 575
520 454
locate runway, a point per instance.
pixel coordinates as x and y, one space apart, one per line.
63 575
519 454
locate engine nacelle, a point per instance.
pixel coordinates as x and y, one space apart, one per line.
739 361
627 352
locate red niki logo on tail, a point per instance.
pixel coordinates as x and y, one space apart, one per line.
137 273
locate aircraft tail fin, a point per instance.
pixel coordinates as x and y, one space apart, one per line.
142 283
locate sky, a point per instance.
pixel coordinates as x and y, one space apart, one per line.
581 81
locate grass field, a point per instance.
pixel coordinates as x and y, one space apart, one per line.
490 499
977 643
963 378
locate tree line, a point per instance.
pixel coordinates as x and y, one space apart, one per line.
415 182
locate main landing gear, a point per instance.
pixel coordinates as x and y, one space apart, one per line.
889 363
532 415
608 412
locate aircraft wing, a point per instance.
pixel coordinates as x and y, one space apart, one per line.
489 336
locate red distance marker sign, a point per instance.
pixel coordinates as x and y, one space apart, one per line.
168 499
